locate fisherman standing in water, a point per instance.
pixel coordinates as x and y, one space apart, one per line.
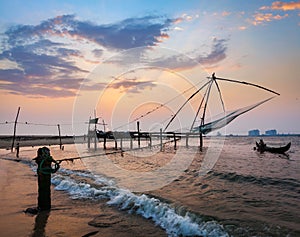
44 171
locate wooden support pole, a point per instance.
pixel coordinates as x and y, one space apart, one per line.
95 139
59 135
95 133
121 143
138 129
89 135
150 141
17 150
160 137
187 140
175 145
15 128
116 144
104 142
131 143
201 141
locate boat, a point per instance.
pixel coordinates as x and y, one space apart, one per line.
263 147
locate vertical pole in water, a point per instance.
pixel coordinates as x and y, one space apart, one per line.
131 145
95 136
201 140
15 128
59 135
160 137
121 143
116 144
89 135
175 145
187 140
95 133
104 142
139 139
150 140
95 139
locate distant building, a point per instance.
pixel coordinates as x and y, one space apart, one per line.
254 132
272 132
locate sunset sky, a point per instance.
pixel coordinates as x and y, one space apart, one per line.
61 61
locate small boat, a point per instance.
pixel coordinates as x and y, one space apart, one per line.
280 150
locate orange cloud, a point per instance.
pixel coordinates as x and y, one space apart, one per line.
285 6
178 20
226 13
259 18
242 28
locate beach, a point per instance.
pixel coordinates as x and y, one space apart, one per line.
245 194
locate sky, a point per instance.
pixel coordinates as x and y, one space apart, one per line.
63 62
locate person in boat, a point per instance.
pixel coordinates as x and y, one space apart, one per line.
261 145
214 76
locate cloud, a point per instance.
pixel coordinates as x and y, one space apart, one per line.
242 27
132 85
285 6
47 59
182 61
217 54
44 58
260 18
131 32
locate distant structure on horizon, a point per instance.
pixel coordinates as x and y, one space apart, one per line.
254 133
272 132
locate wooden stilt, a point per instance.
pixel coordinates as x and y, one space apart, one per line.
15 128
160 137
175 145
116 144
138 129
89 135
104 142
201 141
59 135
187 140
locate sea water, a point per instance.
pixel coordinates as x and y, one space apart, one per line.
245 193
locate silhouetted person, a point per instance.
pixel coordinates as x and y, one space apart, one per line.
44 171
261 146
261 143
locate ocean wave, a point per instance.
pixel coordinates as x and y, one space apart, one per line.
162 214
286 183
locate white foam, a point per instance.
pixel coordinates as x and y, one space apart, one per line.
151 208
